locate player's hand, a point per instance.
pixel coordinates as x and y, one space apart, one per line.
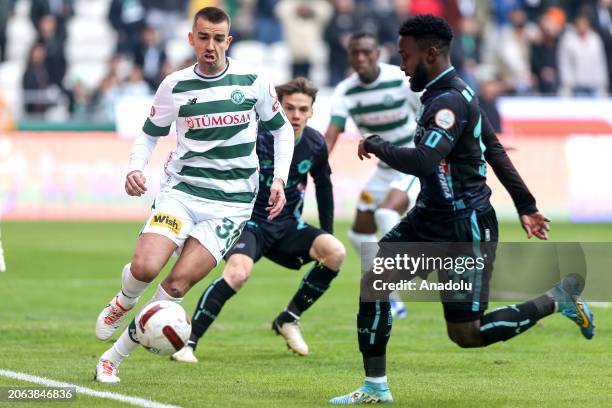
536 224
277 198
135 183
361 151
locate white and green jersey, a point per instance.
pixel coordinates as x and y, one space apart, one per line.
216 125
386 106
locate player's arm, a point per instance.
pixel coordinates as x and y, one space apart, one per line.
339 113
443 127
274 120
321 175
157 125
533 222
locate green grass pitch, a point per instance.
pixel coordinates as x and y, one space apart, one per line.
61 274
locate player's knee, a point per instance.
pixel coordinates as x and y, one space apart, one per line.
237 272
467 336
175 287
143 269
329 251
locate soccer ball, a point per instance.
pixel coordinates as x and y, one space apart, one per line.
163 327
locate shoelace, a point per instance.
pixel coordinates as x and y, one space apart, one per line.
108 368
115 314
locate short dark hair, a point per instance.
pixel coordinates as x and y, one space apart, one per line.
428 30
297 85
213 14
357 35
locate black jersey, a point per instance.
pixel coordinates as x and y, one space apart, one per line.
453 142
309 156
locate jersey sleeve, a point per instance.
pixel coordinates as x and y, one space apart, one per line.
444 122
273 118
163 112
339 109
321 175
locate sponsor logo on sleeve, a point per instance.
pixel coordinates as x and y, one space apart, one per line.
152 111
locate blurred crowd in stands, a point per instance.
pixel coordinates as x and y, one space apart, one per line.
501 47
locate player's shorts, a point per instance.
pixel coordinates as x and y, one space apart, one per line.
177 216
286 242
478 234
381 181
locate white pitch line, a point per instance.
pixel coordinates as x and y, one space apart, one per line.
141 402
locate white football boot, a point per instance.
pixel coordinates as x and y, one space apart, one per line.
106 372
110 318
184 355
292 335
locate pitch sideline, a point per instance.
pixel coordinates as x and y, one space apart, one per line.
141 402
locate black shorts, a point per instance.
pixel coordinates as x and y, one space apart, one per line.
286 242
479 234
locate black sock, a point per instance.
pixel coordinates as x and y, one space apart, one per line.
374 324
314 284
209 306
506 322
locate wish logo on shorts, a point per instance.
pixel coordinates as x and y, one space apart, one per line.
166 221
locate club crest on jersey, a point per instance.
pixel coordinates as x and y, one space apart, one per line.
388 100
304 166
237 97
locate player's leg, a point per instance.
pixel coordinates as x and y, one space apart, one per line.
329 253
363 229
194 263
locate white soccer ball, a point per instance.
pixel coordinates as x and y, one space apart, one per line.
163 327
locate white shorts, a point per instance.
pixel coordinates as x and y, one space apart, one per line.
383 180
216 225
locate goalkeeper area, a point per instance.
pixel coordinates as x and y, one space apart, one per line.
59 273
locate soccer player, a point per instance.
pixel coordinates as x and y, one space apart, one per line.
453 140
378 98
209 189
287 240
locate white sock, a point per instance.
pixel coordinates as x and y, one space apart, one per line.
161 294
377 380
356 238
120 350
131 288
386 219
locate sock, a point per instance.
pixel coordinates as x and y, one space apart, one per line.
374 324
386 219
209 306
506 322
313 285
357 238
131 288
376 380
122 347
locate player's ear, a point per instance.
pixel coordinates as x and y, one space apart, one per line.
229 40
190 38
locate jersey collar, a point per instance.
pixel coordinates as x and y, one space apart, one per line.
196 71
440 76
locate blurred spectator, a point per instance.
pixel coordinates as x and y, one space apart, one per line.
6 10
303 22
165 16
105 98
501 10
343 23
55 60
127 18
399 12
36 83
465 50
582 60
544 51
603 23
80 102
150 56
490 90
62 10
268 29
512 59
435 7
135 84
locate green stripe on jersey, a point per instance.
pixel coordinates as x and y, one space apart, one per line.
214 194
228 80
152 129
222 106
233 174
383 85
224 152
218 133
275 123
384 127
360 109
338 121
